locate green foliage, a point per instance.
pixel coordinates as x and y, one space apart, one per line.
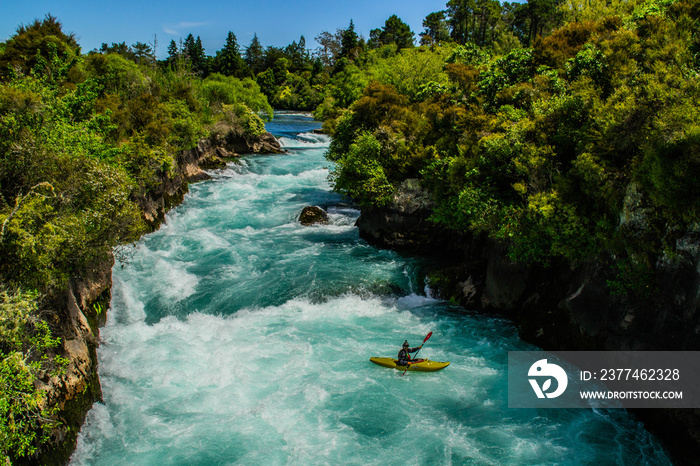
37 46
347 85
468 54
670 169
221 90
118 76
242 120
228 60
82 139
185 128
26 345
538 147
348 42
436 30
651 8
394 31
593 10
359 173
194 55
254 55
411 70
591 63
516 67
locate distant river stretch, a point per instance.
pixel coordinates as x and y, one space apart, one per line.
238 336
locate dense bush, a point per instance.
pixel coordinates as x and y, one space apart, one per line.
26 419
539 147
81 139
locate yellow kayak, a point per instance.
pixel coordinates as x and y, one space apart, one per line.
424 366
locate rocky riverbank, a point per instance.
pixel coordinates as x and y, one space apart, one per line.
559 306
82 308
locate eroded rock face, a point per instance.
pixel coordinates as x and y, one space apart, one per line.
237 144
402 223
208 154
563 306
505 283
82 309
312 215
76 319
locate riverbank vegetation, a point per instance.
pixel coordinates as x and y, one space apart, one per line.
567 132
82 138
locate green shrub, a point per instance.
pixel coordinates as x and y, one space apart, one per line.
26 346
360 175
219 90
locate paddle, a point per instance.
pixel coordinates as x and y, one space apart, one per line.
414 356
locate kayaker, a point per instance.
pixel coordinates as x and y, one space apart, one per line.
405 356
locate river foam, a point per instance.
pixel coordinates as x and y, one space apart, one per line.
237 336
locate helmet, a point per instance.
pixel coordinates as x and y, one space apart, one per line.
405 343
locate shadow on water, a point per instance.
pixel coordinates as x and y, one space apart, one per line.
315 196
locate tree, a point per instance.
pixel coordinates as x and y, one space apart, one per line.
194 53
199 58
35 44
375 38
188 47
298 55
173 54
254 56
396 32
143 53
543 16
330 47
228 60
118 48
348 42
461 16
474 20
436 30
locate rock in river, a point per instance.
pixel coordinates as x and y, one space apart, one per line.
312 214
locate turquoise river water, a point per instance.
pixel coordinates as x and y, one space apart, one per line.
238 336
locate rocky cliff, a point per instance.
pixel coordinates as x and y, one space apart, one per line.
560 306
209 153
81 309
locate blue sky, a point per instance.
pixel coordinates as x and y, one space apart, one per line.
276 22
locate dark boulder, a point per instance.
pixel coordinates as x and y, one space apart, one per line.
311 215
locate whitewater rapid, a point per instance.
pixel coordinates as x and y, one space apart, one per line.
237 336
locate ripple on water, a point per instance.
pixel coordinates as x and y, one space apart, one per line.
237 336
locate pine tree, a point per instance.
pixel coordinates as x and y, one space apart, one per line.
297 54
199 59
173 53
188 47
397 32
194 53
348 42
142 52
228 60
254 56
436 30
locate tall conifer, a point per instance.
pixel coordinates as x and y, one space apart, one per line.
254 55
